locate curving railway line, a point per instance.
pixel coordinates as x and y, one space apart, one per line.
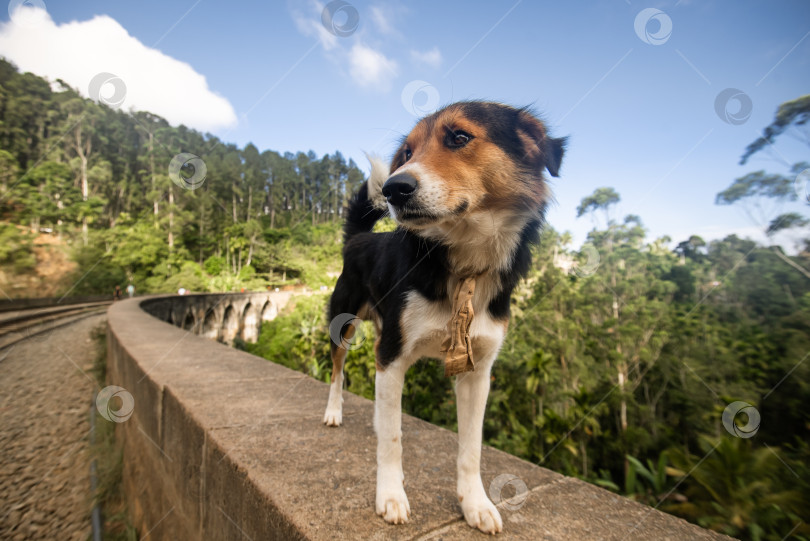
32 318
47 353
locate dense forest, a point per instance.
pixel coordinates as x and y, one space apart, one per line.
622 356
232 217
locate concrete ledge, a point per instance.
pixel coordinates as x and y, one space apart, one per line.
225 445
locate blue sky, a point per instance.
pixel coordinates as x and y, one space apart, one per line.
641 117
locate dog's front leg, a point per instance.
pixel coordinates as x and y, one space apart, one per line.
472 389
392 503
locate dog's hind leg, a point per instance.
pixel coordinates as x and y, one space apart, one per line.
472 389
334 407
391 502
343 306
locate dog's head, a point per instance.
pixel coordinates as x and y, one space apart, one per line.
468 158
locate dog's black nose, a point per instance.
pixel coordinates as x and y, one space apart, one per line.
399 188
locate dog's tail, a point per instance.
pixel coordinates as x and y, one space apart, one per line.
368 205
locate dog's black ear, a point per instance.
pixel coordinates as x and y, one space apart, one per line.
540 150
554 149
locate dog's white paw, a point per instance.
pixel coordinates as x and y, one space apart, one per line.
333 417
394 507
482 514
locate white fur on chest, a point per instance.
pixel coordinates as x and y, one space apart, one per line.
482 239
424 325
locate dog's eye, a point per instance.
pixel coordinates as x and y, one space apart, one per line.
457 139
407 153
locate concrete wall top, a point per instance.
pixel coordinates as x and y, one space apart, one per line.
225 445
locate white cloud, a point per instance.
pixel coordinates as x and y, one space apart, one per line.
370 68
431 58
79 50
381 20
314 28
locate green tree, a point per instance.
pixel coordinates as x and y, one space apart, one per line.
600 199
793 113
735 488
761 195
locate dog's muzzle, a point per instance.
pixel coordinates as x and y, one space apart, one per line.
399 188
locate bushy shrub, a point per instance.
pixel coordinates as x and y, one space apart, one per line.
214 265
16 249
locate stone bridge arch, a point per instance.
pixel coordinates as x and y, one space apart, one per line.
210 326
219 316
189 322
230 325
251 323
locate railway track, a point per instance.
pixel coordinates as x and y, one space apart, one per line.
23 320
47 354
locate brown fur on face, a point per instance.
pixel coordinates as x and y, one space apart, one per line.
499 168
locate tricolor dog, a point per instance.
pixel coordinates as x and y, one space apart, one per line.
466 188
